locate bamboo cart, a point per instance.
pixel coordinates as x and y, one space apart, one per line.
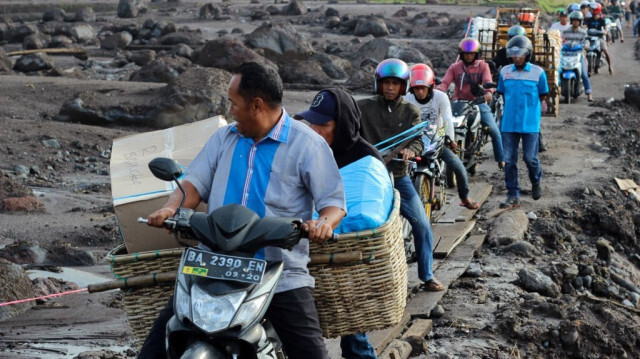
361 281
493 36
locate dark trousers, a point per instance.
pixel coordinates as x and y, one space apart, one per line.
293 315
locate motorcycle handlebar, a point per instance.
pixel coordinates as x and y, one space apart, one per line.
171 224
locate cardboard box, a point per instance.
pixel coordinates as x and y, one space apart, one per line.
137 193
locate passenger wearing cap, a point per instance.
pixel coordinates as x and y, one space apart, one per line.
335 116
563 22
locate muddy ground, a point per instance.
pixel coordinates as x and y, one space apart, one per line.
585 228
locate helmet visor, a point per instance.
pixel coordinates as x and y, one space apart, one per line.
516 51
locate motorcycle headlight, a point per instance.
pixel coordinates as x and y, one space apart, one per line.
458 121
249 311
211 313
182 303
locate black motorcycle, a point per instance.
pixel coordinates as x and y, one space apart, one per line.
222 292
429 173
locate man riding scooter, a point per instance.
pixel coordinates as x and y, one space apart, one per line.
470 71
579 35
598 23
435 107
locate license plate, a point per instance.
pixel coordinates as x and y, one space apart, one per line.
219 266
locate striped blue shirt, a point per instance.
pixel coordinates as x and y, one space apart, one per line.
282 175
522 91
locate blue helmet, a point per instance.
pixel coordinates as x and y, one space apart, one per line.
392 68
573 7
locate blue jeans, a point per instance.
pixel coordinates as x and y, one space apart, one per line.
585 75
487 119
411 208
511 141
453 161
357 346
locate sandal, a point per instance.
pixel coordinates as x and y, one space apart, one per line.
432 285
470 204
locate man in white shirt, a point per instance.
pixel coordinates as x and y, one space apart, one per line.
435 108
562 23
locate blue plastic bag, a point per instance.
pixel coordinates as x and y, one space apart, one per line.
369 195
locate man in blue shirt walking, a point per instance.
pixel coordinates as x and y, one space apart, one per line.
524 87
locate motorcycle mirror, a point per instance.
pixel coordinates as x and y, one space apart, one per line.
438 80
490 85
165 169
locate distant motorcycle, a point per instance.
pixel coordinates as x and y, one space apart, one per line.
613 27
471 134
571 71
594 54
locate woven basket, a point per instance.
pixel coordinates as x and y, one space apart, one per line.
351 297
143 304
365 295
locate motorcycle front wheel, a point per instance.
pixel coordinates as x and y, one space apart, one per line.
423 183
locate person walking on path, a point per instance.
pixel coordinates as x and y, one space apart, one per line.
384 116
524 87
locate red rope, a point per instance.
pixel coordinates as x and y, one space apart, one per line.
43 297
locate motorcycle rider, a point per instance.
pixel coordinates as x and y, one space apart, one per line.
562 23
436 109
616 12
597 22
335 116
501 58
249 162
524 87
384 116
468 75
585 8
579 35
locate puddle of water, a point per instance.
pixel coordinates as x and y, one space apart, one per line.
55 351
82 278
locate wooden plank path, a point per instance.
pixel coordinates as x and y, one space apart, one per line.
452 212
451 228
447 236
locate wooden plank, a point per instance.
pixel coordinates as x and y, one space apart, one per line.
454 212
456 264
381 338
449 236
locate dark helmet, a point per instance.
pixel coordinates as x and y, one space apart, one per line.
516 30
519 46
392 68
576 15
469 45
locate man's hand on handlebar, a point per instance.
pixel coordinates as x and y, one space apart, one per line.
487 97
318 231
407 154
157 218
